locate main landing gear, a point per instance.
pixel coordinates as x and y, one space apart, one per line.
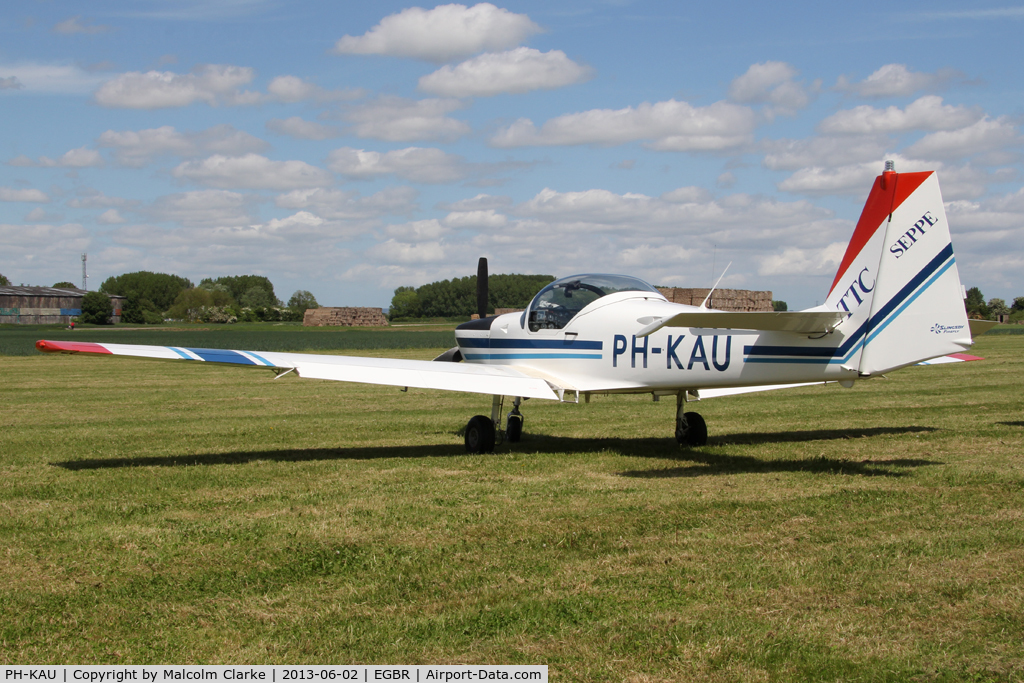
691 430
483 432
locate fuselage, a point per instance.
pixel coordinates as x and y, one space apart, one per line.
596 348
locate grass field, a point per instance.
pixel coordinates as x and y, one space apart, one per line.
177 513
19 340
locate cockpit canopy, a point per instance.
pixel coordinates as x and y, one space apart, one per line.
558 303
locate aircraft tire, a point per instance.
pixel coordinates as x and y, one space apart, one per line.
514 430
692 432
480 435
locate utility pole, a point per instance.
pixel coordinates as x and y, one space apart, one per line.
85 276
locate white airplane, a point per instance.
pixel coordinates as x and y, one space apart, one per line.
895 301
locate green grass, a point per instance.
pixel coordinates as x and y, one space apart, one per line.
164 513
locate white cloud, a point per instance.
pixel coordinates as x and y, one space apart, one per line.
42 238
487 219
94 199
417 231
896 80
41 215
110 217
212 84
397 119
75 158
50 78
925 113
74 25
348 205
667 126
253 172
481 202
10 194
441 34
10 83
984 136
393 251
294 89
797 261
825 151
958 182
516 71
202 208
137 148
772 83
298 127
418 164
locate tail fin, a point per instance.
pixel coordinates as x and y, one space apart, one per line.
898 279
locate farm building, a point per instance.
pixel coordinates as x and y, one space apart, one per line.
345 317
723 299
45 305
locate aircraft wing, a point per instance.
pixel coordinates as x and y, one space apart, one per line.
473 378
801 322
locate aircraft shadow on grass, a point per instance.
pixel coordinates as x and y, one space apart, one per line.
710 461
1011 424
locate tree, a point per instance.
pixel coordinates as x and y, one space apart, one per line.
1018 303
4 282
975 303
998 307
404 304
159 288
257 297
190 304
97 308
302 300
64 285
779 305
239 285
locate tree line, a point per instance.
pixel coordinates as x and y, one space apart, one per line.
456 298
152 297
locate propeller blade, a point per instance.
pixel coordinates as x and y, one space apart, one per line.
481 287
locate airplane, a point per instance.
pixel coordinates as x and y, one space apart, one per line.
895 301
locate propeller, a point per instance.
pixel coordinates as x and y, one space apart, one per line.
481 287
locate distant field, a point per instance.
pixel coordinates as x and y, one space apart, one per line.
19 340
160 512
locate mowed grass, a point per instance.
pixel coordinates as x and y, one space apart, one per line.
19 340
177 513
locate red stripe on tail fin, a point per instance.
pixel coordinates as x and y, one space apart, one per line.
887 194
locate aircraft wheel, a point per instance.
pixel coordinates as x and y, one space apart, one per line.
514 428
691 430
480 435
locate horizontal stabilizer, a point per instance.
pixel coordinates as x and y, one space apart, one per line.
980 327
800 322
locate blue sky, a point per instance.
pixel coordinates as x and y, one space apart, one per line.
350 148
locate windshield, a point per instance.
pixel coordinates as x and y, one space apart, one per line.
558 303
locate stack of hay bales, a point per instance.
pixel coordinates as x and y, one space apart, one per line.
723 299
344 317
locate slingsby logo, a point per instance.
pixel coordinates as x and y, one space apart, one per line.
946 329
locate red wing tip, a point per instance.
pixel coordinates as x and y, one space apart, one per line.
965 357
47 346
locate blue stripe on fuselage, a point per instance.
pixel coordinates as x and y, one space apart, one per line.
522 356
489 343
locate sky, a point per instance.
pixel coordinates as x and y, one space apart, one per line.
351 148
